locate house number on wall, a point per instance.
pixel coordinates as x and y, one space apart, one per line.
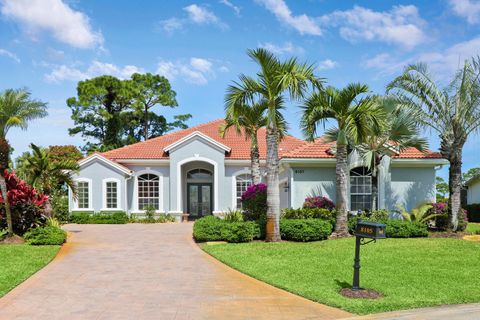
298 171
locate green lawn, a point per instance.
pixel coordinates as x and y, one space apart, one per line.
18 262
473 228
410 273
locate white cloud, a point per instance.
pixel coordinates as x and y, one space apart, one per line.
54 16
327 64
201 15
10 55
402 25
302 23
229 4
443 64
171 25
287 47
197 71
468 9
96 68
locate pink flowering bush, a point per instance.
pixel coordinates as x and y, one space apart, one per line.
441 221
254 202
319 202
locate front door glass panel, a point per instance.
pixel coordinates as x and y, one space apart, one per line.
199 199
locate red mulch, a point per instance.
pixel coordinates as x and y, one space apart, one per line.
360 294
13 240
446 234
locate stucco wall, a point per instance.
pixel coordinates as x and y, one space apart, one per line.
410 187
96 171
473 193
308 180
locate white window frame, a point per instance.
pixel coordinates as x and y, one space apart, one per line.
160 190
234 184
104 194
90 196
356 193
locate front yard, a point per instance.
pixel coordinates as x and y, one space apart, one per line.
410 273
18 262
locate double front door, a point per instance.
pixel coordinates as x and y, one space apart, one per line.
199 199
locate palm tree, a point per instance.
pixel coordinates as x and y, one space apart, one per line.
250 119
453 112
47 175
274 80
356 120
398 132
17 108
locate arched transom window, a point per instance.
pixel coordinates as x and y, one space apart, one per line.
360 189
199 175
243 182
148 191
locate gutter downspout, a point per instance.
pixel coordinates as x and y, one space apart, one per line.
127 210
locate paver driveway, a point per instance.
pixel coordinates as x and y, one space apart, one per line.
142 271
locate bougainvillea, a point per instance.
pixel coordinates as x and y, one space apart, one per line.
254 202
441 221
319 202
20 191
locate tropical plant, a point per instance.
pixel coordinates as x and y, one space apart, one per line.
274 80
233 216
47 175
357 118
17 108
254 202
319 202
248 119
420 214
453 112
397 133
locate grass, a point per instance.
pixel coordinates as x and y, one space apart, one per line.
18 262
410 273
473 228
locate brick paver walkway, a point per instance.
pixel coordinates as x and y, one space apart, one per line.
137 271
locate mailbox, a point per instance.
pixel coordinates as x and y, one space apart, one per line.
372 230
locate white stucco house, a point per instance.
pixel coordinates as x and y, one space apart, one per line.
473 189
196 171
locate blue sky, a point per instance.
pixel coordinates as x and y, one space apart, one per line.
49 45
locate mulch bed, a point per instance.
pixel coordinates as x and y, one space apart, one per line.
12 240
360 294
446 234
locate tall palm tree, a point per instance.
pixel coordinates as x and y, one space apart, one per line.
250 119
273 82
17 108
398 132
356 117
453 112
47 175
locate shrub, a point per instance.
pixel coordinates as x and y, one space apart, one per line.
254 202
307 213
473 212
208 228
319 202
406 229
238 231
49 235
440 210
381 215
60 208
163 218
233 216
305 229
211 228
119 217
149 214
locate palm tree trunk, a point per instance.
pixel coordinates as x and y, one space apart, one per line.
374 188
455 187
273 194
341 226
8 212
255 159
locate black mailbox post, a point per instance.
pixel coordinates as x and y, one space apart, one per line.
365 229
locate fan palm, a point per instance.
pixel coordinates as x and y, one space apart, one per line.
398 132
453 112
356 117
250 119
17 108
273 81
420 214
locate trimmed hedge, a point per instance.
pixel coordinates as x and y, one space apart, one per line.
308 213
473 212
45 236
396 228
304 230
211 228
119 217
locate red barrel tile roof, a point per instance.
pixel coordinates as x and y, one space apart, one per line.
290 147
